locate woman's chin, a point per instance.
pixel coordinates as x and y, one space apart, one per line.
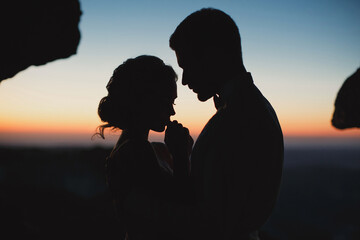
158 128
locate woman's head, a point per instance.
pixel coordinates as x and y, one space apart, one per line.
141 93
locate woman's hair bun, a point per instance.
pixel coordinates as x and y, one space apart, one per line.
104 109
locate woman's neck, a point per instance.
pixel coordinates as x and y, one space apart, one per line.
134 134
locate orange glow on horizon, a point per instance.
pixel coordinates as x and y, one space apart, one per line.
89 128
71 127
316 128
47 127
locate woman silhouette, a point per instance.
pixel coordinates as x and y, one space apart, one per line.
140 98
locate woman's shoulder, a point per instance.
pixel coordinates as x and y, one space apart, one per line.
130 146
131 152
130 158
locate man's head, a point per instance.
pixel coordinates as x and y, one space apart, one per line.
208 48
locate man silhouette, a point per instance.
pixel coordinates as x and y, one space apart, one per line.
236 162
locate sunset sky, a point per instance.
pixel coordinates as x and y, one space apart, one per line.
299 54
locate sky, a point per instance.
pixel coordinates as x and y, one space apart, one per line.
298 52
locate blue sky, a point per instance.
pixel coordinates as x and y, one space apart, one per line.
299 53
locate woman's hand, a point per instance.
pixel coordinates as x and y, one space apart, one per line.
179 143
178 138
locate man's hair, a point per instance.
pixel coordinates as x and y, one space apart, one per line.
207 27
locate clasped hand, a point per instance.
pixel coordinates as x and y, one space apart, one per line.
178 139
179 143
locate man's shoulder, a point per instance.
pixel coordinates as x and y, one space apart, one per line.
250 112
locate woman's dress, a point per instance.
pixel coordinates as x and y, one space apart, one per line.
134 166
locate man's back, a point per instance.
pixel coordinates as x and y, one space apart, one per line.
237 163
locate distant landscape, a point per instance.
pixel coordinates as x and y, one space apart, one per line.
58 193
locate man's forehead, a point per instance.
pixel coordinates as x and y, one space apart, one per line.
179 58
186 55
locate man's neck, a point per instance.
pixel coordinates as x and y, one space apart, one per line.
231 76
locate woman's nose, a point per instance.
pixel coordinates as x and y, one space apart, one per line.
172 111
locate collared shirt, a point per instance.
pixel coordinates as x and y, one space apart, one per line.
228 90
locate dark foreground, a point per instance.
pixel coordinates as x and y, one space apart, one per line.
61 194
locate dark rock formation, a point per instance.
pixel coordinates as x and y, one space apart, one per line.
347 103
36 32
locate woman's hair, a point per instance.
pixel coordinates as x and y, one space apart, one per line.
129 84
